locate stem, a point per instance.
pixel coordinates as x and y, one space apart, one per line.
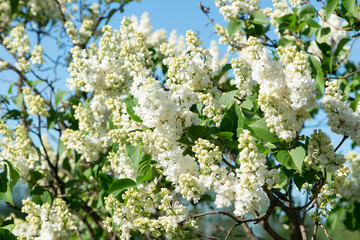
249 232
325 231
232 229
342 141
88 227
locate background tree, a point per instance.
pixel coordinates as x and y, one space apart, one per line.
157 133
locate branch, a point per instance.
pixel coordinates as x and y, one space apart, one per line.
97 219
345 76
209 237
232 229
325 231
88 227
249 232
342 141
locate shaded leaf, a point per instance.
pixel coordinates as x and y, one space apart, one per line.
121 185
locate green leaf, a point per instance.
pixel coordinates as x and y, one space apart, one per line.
185 140
299 180
323 34
19 100
223 69
14 174
330 7
224 135
130 104
285 159
298 155
247 104
263 132
140 160
233 27
54 118
311 29
5 190
35 175
59 95
228 97
316 65
148 176
105 181
232 120
260 18
333 218
5 234
10 87
14 4
307 12
350 7
61 147
352 217
12 114
285 176
121 185
40 195
341 45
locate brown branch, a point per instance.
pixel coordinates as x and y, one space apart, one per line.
249 232
230 231
217 212
325 231
87 225
266 226
209 237
342 141
315 230
97 219
345 76
228 164
60 10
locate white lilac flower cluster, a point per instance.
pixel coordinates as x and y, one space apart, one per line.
113 61
92 139
243 80
350 187
342 119
207 154
321 153
134 215
17 148
252 175
231 9
34 103
36 55
48 221
190 73
287 90
19 45
153 39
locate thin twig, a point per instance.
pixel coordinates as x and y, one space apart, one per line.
325 231
345 76
230 231
342 141
249 232
209 237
